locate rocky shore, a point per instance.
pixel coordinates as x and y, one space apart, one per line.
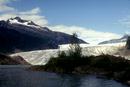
16 60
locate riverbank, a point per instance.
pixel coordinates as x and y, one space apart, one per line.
117 68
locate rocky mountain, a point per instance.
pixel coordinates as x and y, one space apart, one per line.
16 60
17 35
122 39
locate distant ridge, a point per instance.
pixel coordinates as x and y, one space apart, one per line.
120 40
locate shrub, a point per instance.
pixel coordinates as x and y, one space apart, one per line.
111 63
62 54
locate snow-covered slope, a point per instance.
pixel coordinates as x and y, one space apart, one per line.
42 56
18 20
120 40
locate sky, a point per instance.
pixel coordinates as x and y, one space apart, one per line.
93 20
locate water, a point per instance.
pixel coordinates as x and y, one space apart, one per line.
18 76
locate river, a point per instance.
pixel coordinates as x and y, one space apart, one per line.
19 76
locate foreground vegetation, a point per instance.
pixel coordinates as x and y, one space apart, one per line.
117 68
73 61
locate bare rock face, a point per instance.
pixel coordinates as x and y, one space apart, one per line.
20 60
7 60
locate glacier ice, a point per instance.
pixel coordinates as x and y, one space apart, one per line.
40 57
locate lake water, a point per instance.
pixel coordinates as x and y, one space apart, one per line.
18 76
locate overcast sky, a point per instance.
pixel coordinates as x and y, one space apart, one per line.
93 20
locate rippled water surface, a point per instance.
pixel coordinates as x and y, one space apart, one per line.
18 76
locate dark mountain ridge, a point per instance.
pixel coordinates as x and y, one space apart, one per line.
17 35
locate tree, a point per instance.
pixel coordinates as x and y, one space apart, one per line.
74 48
128 43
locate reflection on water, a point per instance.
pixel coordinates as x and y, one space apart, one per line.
20 77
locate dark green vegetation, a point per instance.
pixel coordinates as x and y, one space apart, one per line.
128 43
73 61
117 68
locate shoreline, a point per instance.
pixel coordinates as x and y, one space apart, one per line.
106 75
112 67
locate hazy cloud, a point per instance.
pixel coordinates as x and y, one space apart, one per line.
4 6
33 11
89 35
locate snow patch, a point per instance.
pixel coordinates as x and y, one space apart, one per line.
25 23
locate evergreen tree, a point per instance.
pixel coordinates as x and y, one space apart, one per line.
74 49
128 43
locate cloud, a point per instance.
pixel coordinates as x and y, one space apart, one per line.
4 6
10 12
33 11
32 15
89 35
125 21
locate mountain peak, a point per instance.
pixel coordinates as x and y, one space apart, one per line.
18 20
125 36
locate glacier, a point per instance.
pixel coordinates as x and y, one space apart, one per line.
41 57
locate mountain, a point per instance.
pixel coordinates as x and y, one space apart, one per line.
17 35
122 39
